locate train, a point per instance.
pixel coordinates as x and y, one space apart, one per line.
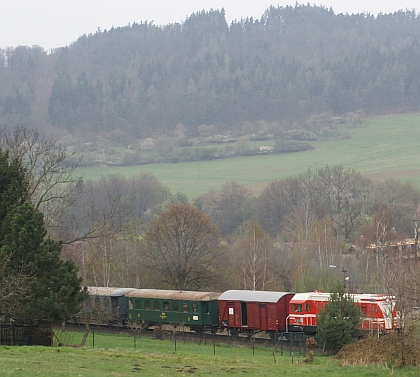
236 311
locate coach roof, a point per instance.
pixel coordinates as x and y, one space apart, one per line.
174 295
108 291
253 296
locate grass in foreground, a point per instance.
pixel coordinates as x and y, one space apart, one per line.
116 356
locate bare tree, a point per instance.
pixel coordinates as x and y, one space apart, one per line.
50 171
228 208
323 242
400 278
182 247
103 208
281 198
343 192
402 197
255 247
379 235
93 311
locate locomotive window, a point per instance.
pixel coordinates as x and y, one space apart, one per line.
137 304
185 307
165 306
306 307
147 305
175 306
297 308
156 305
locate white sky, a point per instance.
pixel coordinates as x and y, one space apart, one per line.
57 23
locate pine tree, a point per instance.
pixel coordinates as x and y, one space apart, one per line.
52 288
337 321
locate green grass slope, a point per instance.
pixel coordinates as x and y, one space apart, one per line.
116 356
382 147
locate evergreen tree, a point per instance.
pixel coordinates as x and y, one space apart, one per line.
52 289
13 185
337 321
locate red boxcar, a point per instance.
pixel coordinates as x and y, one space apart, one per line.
377 311
254 310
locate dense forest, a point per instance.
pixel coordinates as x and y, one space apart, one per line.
143 80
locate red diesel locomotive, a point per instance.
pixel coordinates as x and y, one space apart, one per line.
378 312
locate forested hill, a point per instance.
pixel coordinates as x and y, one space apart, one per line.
142 79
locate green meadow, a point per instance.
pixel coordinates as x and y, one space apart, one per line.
110 356
381 147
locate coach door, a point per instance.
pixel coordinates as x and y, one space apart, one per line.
263 316
115 307
244 314
233 314
272 320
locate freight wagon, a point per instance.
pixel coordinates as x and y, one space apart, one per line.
246 311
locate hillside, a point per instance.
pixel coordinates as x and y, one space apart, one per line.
380 148
207 77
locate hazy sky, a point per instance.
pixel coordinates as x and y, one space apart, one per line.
57 23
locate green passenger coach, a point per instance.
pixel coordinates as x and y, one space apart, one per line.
193 309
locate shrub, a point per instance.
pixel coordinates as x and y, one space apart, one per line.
292 146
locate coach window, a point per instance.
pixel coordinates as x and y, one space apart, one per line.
165 306
185 307
194 307
175 306
147 304
137 304
130 304
156 305
206 307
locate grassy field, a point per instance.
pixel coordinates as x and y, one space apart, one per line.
115 356
382 147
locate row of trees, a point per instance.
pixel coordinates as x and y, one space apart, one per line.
335 193
295 257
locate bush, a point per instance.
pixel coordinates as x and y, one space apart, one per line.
399 350
292 146
301 135
206 153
